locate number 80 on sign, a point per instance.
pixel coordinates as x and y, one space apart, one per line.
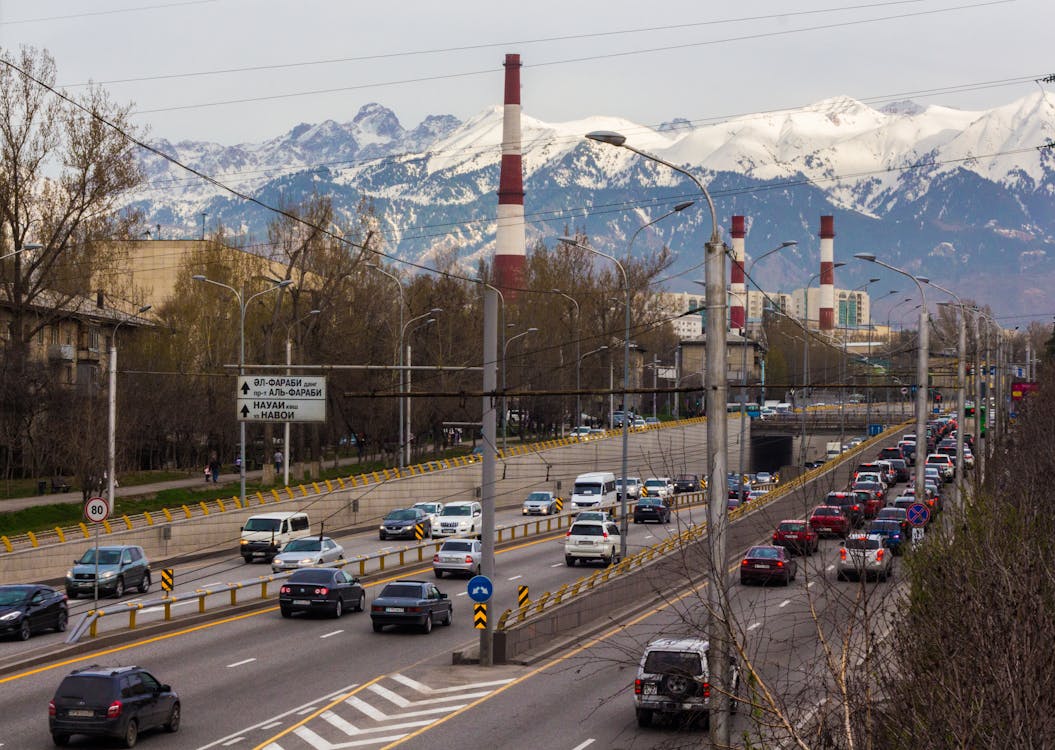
96 509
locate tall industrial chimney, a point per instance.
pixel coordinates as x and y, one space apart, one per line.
737 316
827 302
511 242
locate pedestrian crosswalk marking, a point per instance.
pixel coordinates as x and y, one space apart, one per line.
376 715
402 702
423 688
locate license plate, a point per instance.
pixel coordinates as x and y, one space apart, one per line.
648 688
585 541
393 609
81 712
762 565
793 536
450 559
824 528
301 603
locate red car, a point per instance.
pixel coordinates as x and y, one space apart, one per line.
869 502
830 520
766 563
797 536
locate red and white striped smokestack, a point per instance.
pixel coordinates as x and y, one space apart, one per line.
827 302
511 242
737 317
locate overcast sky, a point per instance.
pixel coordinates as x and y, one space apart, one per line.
646 61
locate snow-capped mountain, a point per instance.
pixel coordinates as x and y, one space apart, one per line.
963 196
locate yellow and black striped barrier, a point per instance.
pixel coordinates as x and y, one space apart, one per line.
522 596
167 579
480 616
419 531
559 503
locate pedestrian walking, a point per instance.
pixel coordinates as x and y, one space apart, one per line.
278 458
214 469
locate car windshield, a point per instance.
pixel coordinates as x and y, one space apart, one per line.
427 507
583 488
862 544
262 524
679 662
457 546
590 515
303 545
827 510
10 595
93 690
402 591
792 526
587 529
884 527
317 575
655 483
540 497
456 510
106 557
402 515
895 513
647 501
767 552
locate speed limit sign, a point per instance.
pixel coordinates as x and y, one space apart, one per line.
96 509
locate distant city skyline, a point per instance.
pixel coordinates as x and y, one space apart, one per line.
262 67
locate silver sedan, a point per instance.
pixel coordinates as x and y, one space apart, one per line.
307 552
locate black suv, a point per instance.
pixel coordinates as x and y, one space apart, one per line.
116 702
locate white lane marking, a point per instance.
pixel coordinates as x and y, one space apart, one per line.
582 745
463 593
423 688
647 536
233 742
351 730
240 663
361 705
556 565
272 725
336 632
514 578
810 584
402 702
319 743
784 603
753 625
306 710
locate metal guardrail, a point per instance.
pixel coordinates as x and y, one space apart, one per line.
519 615
200 509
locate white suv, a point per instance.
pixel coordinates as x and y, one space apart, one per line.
658 487
462 517
592 540
672 679
944 464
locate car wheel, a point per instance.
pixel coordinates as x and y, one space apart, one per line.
378 627
569 561
606 561
71 594
24 631
338 608
437 573
119 588
644 717
839 576
172 725
144 583
381 536
450 616
62 621
286 611
60 740
360 603
131 733
247 558
427 625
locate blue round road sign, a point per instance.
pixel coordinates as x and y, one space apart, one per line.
918 514
480 589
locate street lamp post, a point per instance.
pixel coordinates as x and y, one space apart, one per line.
871 333
578 364
404 446
409 431
717 451
806 356
505 404
399 354
578 357
961 380
112 417
845 377
921 368
289 371
242 305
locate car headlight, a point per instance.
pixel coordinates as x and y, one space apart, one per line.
308 561
245 541
69 575
11 616
108 574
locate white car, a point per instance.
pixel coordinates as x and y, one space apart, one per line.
581 433
307 552
592 540
633 487
864 556
658 487
432 510
461 517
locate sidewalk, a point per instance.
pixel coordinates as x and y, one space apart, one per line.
196 482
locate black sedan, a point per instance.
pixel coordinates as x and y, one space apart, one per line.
417 603
31 608
651 509
403 523
687 483
766 563
321 590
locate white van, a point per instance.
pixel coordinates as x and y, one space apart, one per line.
265 534
593 490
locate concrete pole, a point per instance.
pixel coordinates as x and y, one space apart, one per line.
285 434
961 387
979 444
487 469
921 396
111 441
408 431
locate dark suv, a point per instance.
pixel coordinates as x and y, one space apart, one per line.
116 702
120 569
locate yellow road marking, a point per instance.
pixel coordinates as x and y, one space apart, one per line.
318 713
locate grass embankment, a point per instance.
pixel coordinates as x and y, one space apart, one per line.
46 517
